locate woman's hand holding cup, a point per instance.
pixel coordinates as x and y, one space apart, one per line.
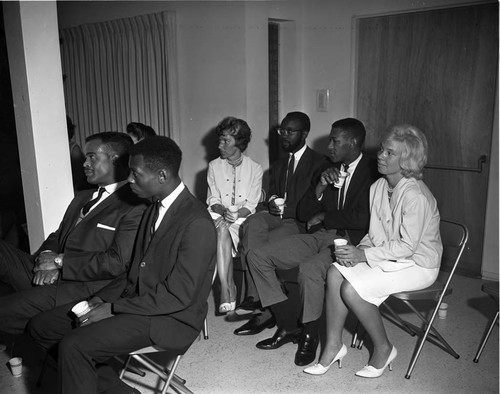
349 255
231 214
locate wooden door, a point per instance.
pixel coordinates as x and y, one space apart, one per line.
436 70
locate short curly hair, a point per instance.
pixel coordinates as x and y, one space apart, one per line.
238 129
159 152
413 149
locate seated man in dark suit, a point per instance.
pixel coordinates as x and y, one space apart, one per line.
92 245
330 212
289 178
163 298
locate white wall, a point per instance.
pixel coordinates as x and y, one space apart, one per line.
222 48
35 67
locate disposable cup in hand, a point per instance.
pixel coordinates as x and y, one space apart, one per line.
280 203
234 211
16 366
339 242
81 308
342 176
443 310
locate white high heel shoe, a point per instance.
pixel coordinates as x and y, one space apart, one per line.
318 369
226 307
371 372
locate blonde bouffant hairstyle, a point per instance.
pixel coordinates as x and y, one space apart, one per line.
413 149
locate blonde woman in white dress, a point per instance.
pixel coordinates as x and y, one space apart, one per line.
233 180
401 252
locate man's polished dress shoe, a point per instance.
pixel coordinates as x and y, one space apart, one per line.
306 352
249 305
255 325
280 337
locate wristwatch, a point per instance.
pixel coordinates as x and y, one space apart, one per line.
58 261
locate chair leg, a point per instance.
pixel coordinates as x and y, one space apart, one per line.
434 337
358 338
355 336
171 374
205 329
125 366
131 368
485 339
427 336
394 317
175 381
42 371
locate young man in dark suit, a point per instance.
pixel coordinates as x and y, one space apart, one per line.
92 245
289 178
163 298
330 213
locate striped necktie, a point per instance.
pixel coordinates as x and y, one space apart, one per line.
342 190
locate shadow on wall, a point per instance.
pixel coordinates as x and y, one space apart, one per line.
210 142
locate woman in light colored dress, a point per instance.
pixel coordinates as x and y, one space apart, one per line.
233 180
401 252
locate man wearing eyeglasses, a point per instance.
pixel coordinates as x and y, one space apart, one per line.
332 210
289 179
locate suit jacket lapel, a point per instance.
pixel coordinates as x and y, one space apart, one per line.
72 218
167 224
356 181
101 206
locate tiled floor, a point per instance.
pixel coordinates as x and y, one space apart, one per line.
226 363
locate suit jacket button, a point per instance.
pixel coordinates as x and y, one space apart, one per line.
143 264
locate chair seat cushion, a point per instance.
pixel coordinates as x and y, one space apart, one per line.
431 292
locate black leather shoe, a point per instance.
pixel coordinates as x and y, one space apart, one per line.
249 305
255 325
280 337
306 352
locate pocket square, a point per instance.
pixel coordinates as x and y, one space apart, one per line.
99 225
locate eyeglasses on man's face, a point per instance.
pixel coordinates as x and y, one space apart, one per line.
286 131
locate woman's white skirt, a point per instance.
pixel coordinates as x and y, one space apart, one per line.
374 285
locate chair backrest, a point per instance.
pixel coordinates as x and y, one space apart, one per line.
454 236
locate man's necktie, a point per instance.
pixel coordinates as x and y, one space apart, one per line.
151 222
91 203
342 190
289 173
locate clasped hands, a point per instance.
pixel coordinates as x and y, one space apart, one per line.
46 271
349 255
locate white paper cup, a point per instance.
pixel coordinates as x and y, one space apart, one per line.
339 242
342 177
234 211
443 310
280 203
81 308
16 366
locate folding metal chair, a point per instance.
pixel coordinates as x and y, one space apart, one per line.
492 290
454 237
